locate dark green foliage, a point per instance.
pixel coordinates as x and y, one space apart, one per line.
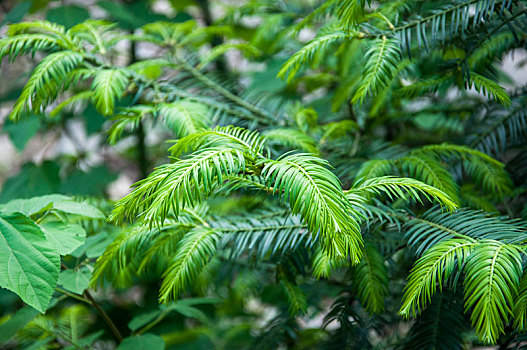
441 325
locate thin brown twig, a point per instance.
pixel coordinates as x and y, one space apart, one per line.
89 299
105 316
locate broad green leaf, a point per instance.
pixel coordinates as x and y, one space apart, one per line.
94 182
142 320
32 180
33 205
93 120
29 265
142 342
79 208
132 15
189 311
22 131
17 13
75 281
68 15
15 323
199 301
95 245
120 12
65 238
58 202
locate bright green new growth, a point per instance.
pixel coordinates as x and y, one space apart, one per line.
46 82
222 156
400 187
492 276
108 85
431 270
185 117
226 155
316 194
182 184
